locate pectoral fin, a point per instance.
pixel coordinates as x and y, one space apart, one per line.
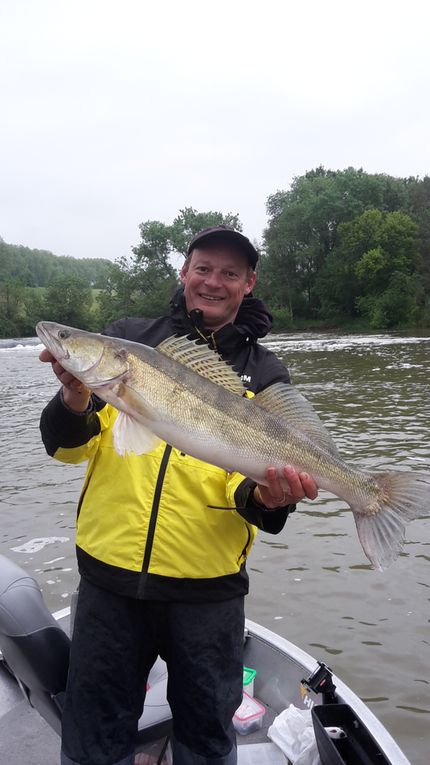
129 435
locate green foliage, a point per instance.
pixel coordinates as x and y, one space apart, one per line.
137 286
20 309
395 306
336 238
189 222
38 268
68 301
11 308
341 247
281 319
68 282
34 311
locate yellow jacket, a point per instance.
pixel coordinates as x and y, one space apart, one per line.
155 513
162 525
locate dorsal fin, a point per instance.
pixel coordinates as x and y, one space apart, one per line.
202 360
287 403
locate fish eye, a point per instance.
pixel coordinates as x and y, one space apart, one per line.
63 334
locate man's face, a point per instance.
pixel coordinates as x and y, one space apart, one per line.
215 280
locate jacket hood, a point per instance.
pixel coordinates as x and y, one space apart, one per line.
252 322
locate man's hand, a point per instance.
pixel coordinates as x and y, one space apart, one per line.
285 487
75 394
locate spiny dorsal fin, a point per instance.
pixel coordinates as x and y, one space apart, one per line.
202 360
287 403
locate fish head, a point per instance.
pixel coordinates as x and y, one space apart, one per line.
93 359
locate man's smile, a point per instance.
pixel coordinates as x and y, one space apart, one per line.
210 297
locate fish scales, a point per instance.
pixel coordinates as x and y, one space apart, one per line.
160 394
199 407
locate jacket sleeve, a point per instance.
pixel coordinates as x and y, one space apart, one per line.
70 436
240 494
270 370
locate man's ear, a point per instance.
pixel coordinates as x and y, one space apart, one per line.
250 283
183 272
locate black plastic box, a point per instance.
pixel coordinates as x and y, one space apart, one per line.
358 747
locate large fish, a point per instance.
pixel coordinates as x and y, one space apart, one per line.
183 393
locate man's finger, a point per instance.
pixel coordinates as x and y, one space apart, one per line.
45 355
291 481
309 485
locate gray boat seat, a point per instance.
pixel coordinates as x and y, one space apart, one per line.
34 646
36 651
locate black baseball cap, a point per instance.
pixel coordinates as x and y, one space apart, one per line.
225 234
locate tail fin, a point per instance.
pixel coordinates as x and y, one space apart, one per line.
404 496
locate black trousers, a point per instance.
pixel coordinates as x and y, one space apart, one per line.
115 642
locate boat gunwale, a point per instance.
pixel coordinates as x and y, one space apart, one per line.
376 728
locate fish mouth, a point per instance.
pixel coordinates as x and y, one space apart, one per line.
48 338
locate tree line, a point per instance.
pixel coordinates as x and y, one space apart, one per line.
347 246
341 249
35 283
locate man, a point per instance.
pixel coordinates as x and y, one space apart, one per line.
162 572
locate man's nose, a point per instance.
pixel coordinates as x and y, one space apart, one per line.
213 279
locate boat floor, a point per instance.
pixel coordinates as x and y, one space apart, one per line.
25 738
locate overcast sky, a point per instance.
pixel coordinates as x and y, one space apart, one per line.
113 113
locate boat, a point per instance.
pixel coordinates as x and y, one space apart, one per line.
35 645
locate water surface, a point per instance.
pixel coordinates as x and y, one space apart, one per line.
312 582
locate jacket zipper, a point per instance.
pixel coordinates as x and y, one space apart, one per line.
244 554
153 521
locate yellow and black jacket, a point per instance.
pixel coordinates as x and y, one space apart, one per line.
164 525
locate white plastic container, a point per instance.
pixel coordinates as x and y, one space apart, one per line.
249 716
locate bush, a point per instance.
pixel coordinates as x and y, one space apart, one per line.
281 319
396 307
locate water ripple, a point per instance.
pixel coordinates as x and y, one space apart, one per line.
312 581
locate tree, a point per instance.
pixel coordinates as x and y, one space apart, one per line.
189 222
38 268
142 284
137 286
68 301
395 306
362 275
304 268
11 309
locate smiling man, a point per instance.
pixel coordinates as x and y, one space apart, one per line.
217 274
162 571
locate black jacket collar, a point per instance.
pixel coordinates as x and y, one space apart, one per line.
252 322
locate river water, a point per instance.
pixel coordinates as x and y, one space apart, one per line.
312 582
